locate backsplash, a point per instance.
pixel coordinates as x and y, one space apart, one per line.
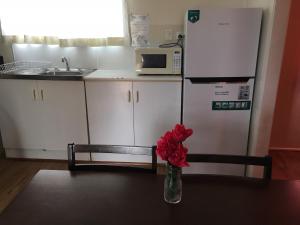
113 57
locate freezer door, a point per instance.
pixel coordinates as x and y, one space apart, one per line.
219 114
222 43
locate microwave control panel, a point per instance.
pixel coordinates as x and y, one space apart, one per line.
177 62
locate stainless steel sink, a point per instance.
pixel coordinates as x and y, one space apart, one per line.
52 72
71 72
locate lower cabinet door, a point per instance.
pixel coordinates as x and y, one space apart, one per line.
20 115
110 112
64 114
39 118
157 108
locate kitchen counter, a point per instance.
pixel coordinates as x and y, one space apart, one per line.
128 75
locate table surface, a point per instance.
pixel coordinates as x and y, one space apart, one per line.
88 198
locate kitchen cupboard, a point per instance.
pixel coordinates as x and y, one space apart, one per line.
131 112
20 114
64 113
39 118
110 112
156 109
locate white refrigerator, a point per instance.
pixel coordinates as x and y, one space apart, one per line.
220 57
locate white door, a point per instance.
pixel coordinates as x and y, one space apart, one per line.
219 114
20 115
110 112
222 43
157 107
64 114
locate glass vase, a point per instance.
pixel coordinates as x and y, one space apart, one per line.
173 184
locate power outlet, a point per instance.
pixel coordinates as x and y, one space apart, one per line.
178 34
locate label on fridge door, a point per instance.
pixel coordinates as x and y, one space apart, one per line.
244 92
231 105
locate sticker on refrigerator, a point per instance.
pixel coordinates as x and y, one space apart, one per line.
224 93
244 92
193 15
231 105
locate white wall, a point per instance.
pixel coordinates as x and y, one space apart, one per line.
270 59
84 57
269 67
169 14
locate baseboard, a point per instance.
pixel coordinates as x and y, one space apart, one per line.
36 154
284 149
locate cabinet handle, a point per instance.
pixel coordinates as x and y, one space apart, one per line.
42 94
129 96
34 94
137 96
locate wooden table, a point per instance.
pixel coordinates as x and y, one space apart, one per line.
102 198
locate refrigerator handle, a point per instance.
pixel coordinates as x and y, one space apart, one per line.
199 80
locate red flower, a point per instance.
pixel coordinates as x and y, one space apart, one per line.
166 145
170 148
178 158
180 133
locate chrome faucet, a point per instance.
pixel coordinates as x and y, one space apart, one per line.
64 59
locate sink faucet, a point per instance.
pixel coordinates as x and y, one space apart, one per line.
64 59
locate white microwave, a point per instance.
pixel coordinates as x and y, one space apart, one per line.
158 60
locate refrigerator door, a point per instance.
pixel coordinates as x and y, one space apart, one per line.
222 42
219 114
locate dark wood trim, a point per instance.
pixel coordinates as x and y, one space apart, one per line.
283 149
266 161
118 149
161 165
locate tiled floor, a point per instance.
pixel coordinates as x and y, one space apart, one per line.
286 165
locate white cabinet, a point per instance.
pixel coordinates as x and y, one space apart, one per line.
157 109
63 113
37 117
20 114
110 112
131 113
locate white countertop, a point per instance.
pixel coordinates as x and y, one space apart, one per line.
128 75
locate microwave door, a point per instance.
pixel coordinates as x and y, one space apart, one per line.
154 61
